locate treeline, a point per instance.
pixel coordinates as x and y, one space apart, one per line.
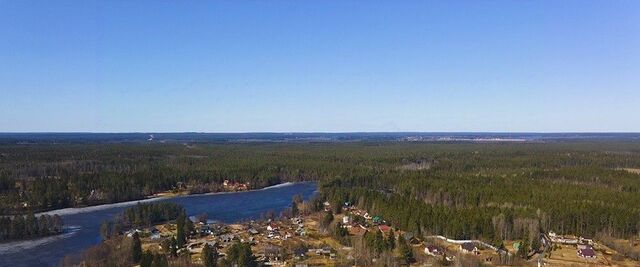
144 214
490 191
30 226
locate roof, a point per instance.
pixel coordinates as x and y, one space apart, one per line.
408 235
300 251
432 248
587 252
384 228
468 246
517 245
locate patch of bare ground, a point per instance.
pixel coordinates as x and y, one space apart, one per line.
631 170
419 165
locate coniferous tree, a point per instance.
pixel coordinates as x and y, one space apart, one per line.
180 226
391 240
146 259
208 257
405 251
136 248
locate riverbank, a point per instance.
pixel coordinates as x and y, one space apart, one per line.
223 207
156 197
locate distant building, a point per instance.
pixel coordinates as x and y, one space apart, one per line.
586 251
468 247
272 227
433 250
384 228
273 252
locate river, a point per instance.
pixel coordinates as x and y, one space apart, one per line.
84 223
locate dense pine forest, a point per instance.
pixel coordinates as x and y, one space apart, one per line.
488 191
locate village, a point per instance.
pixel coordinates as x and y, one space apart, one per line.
299 241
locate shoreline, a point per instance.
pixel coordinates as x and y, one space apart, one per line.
69 211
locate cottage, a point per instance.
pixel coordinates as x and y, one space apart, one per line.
273 252
586 251
346 220
253 231
384 228
205 230
226 238
433 250
300 253
411 238
272 227
296 220
468 247
132 231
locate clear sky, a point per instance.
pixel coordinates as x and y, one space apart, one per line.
331 66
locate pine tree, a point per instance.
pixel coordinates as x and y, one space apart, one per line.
405 251
136 248
208 256
180 238
105 230
294 208
524 247
146 259
174 247
159 260
391 240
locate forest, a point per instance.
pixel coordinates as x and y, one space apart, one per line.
29 226
488 191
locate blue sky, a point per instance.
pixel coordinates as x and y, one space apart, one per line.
332 66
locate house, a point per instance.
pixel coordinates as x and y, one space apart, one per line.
517 246
411 238
357 231
205 230
253 231
586 251
585 240
327 206
377 219
346 220
433 250
132 231
301 232
384 228
272 227
226 238
300 253
468 247
154 233
296 220
273 252
408 236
